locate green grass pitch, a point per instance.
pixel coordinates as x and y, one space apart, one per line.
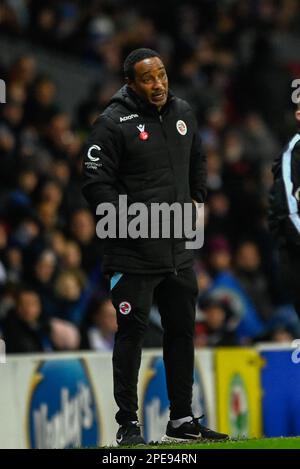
259 443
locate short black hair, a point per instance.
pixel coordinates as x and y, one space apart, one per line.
136 56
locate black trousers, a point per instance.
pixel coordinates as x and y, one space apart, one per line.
289 259
175 296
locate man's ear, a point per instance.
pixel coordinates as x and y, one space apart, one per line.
297 115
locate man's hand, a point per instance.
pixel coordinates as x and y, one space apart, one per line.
199 213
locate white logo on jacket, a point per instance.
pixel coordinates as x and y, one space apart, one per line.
141 127
181 127
89 154
127 118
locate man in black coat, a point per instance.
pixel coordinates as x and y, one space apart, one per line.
284 214
146 146
24 331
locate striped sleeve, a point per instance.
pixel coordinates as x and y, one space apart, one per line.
291 179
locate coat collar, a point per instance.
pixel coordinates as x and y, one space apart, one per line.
135 103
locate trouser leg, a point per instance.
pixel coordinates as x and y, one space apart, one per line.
176 299
132 299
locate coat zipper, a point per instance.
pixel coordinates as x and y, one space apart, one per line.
170 161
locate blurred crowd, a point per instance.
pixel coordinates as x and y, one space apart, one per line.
234 61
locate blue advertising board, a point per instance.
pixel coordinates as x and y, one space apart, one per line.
62 407
280 381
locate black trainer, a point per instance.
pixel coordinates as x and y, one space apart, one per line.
130 434
191 431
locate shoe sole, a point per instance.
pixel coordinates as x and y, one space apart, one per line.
132 442
171 439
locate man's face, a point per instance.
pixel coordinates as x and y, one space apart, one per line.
29 307
151 81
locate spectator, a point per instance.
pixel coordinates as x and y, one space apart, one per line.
43 278
64 335
99 334
249 273
226 287
69 291
24 330
83 231
41 106
216 328
71 257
